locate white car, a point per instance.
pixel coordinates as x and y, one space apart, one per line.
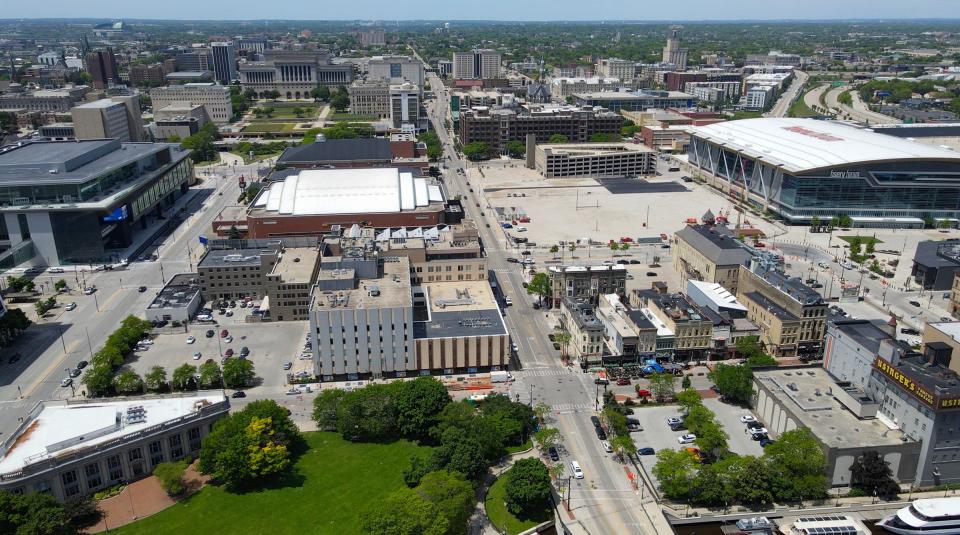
746 418
191 339
197 355
70 306
687 439
204 317
89 290
228 339
606 446
55 270
520 229
145 342
293 392
228 313
66 382
577 471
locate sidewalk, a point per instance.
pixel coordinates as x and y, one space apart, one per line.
479 524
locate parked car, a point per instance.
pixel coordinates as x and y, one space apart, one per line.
228 339
687 439
513 260
142 289
55 270
606 446
228 353
914 303
651 273
89 290
506 225
595 421
764 442
746 418
239 394
204 317
554 455
81 365
66 382
244 351
623 381
224 333
910 331
601 434
191 339
577 471
646 451
673 422
210 333
70 306
75 372
197 355
293 392
287 365
754 425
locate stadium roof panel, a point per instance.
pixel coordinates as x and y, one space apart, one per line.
801 145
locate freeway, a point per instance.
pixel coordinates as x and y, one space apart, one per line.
812 98
859 111
783 104
56 343
605 501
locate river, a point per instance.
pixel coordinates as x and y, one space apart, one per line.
714 529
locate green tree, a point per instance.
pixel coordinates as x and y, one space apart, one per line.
539 286
33 514
663 386
554 249
368 414
527 489
515 148
685 383
676 471
237 373
797 465
99 380
320 93
128 382
761 360
712 439
689 398
815 223
404 512
871 474
249 445
559 138
734 382
42 307
563 338
476 150
418 404
210 374
184 377
464 452
156 379
171 477
340 101
233 233
60 285
546 438
325 408
452 495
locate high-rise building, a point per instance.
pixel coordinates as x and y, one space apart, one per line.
622 69
224 62
476 65
109 118
395 68
195 60
405 105
374 37
498 126
215 98
102 66
673 53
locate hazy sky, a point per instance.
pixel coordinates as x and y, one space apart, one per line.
486 9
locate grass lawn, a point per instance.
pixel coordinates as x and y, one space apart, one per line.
800 109
502 518
864 240
747 115
522 447
336 480
351 117
266 128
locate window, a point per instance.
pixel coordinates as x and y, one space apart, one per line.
176 446
92 472
114 468
70 485
156 453
193 436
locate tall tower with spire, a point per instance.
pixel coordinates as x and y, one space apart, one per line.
673 53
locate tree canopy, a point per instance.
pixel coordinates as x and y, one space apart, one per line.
528 487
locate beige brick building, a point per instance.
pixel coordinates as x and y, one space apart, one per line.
709 254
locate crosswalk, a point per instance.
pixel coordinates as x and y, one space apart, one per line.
544 372
566 408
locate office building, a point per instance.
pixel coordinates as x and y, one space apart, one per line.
621 69
791 315
224 62
444 67
312 201
585 283
179 120
237 273
102 66
586 331
194 60
293 73
405 106
498 126
395 69
599 160
109 118
371 98
178 300
214 98
715 297
147 75
713 91
16 98
289 283
373 37
74 448
69 202
838 416
641 100
561 88
476 65
759 97
670 138
936 264
673 53
709 254
774 57
943 337
800 168
189 77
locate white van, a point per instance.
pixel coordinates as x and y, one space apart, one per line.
577 472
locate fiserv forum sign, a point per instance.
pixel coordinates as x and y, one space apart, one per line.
915 389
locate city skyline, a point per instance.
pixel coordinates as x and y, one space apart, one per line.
746 10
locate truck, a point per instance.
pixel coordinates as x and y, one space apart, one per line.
499 377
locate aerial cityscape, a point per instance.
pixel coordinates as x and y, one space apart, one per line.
484 269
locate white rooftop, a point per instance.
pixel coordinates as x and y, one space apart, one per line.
662 329
719 295
933 508
62 428
949 328
799 145
347 191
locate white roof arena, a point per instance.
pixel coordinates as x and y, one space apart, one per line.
802 145
347 191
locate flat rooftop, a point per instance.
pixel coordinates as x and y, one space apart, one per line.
178 292
633 95
97 104
771 307
459 309
616 268
940 381
865 333
295 264
592 149
949 328
390 290
61 429
805 145
806 394
338 150
232 257
938 253
716 243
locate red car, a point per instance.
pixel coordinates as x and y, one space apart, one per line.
224 333
623 381
643 393
228 353
626 239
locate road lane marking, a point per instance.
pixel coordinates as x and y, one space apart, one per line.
46 373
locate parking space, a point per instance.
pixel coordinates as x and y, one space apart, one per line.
270 345
618 186
729 417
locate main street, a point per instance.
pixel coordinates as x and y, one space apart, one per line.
783 104
605 501
56 343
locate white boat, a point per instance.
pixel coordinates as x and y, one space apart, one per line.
933 516
759 525
825 525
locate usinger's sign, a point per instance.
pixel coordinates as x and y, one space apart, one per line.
915 389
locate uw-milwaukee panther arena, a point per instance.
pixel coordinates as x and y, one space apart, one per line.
801 168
